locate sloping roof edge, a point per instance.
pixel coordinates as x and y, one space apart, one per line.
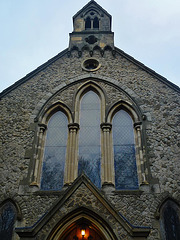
61 54
149 70
33 73
131 229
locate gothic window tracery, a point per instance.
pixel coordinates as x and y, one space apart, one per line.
103 147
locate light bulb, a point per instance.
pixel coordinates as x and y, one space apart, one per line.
83 232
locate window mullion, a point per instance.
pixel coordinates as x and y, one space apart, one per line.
108 165
139 155
71 160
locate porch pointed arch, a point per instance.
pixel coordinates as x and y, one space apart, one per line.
82 218
68 209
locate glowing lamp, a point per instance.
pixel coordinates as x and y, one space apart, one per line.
83 232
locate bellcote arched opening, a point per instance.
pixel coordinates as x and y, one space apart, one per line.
91 23
96 23
88 23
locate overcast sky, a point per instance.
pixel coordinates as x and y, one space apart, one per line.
33 31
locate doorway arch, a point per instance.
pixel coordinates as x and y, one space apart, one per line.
72 225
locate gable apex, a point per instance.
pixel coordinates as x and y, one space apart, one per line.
91 4
83 185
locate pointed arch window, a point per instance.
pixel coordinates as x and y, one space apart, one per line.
89 138
102 146
88 23
170 221
55 152
7 220
96 23
124 151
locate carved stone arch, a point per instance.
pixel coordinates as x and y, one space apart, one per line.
75 51
133 111
74 48
85 77
16 206
85 48
91 9
162 203
108 48
169 219
46 114
89 85
97 48
83 200
82 217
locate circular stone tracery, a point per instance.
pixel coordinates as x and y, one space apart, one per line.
91 65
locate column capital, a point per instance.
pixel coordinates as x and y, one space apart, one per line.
73 126
137 125
105 126
42 127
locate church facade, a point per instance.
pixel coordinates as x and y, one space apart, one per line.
90 144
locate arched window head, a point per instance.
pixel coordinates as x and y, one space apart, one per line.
7 220
124 151
88 23
96 23
89 137
54 152
170 221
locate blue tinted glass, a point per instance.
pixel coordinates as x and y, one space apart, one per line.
7 219
89 138
55 153
124 152
172 223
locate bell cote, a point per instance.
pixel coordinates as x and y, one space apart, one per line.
91 28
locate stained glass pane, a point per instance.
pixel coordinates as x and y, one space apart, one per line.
172 224
89 138
7 219
124 152
54 153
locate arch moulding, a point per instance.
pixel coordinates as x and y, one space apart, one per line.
77 215
89 77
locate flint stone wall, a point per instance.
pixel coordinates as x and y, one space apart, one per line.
157 101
